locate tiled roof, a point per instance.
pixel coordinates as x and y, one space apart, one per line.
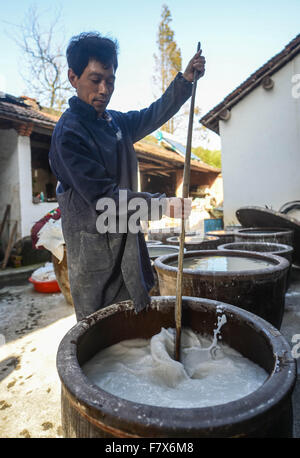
211 119
14 109
145 150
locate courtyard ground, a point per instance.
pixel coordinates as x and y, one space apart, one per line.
32 325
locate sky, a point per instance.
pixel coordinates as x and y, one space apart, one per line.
237 37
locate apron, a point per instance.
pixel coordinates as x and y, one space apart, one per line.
103 268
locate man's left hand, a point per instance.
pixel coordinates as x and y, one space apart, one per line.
196 63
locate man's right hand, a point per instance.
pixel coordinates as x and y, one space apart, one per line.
178 207
196 63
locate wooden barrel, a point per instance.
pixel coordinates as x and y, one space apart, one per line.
155 251
260 290
286 251
90 412
265 234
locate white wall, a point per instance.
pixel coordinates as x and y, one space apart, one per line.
9 179
30 212
261 147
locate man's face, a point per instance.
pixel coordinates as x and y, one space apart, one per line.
95 85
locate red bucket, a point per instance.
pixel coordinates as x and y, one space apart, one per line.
45 286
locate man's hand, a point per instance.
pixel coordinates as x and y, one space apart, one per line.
177 207
196 63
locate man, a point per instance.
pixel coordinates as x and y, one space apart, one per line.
93 158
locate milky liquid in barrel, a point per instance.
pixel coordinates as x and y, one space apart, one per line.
144 371
197 239
156 251
223 263
194 238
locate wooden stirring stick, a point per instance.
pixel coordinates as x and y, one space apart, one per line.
185 194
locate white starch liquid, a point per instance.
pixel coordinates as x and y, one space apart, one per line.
223 263
144 371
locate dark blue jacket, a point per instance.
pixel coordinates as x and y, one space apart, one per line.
94 158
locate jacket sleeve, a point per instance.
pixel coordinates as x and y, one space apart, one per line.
143 122
74 164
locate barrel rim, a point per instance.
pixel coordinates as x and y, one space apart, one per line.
222 232
206 238
153 242
282 248
279 264
163 245
164 230
275 389
174 248
250 231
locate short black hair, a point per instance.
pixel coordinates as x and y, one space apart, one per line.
91 45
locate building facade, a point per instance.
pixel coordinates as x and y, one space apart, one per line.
259 125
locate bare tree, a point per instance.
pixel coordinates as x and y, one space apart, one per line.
43 64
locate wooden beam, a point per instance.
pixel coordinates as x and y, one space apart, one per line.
166 172
155 160
161 164
159 172
156 166
6 214
9 245
43 130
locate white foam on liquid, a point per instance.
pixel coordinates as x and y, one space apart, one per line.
144 370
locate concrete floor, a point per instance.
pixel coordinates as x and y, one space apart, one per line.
31 327
33 324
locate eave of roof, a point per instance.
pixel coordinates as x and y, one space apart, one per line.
148 150
211 119
19 112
